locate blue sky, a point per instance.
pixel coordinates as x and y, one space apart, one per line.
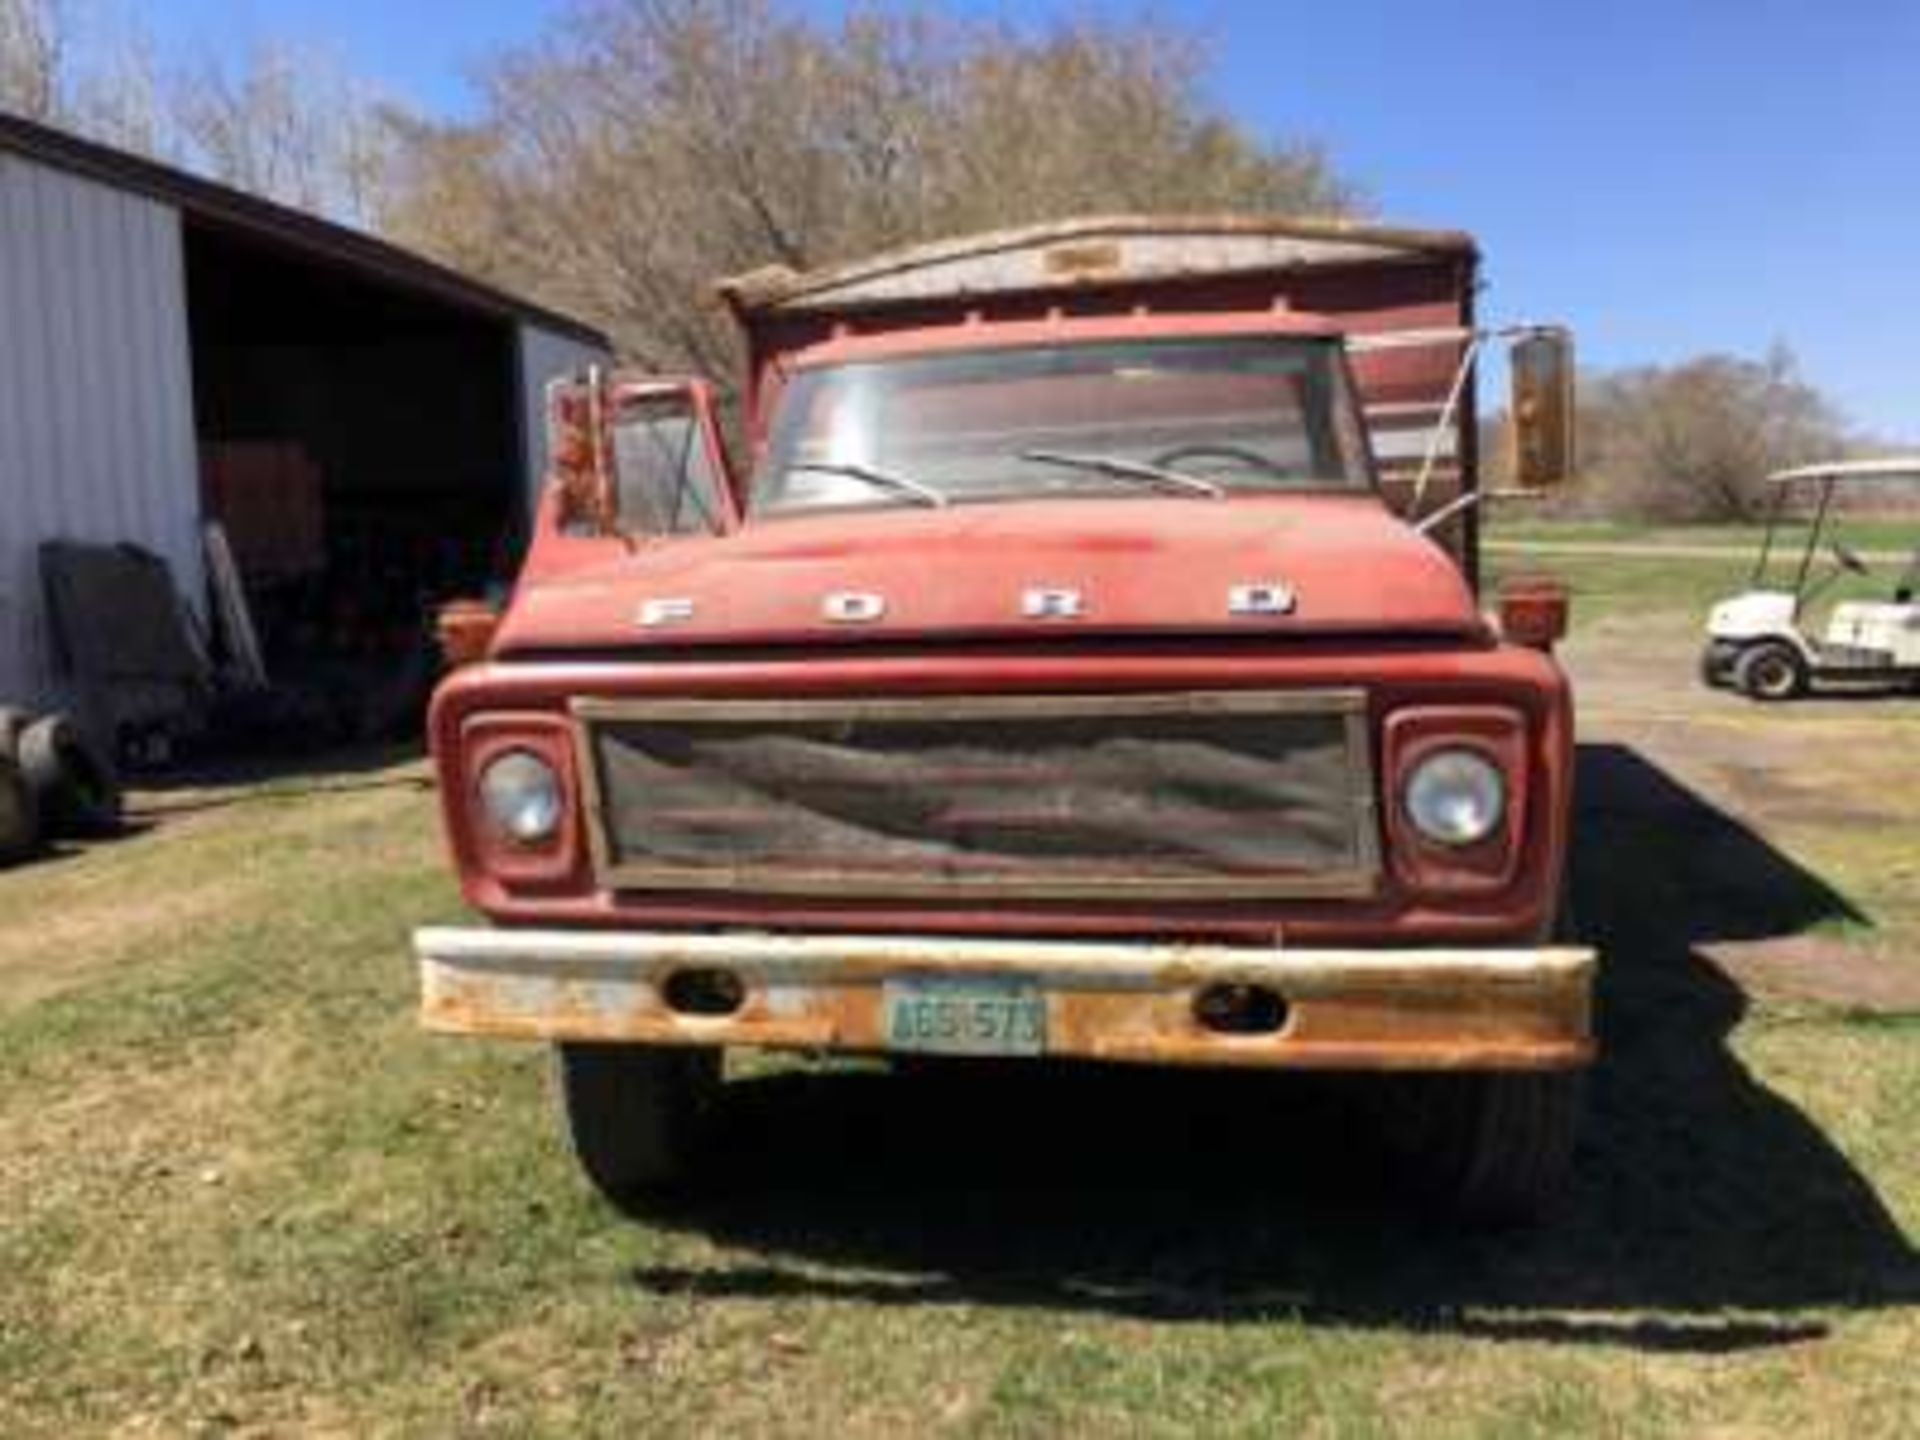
1668 177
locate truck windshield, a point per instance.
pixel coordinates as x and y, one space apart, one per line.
1212 417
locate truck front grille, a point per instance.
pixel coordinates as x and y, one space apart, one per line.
1215 794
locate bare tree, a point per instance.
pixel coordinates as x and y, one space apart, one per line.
644 147
33 55
114 92
290 123
1695 441
286 121
84 66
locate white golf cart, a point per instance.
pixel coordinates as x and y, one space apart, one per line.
1755 641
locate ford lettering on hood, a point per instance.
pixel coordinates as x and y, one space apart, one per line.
1293 565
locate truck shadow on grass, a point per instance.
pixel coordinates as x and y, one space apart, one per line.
1707 1212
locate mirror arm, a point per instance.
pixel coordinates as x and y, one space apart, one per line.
1467 501
1447 335
1447 413
1464 501
1475 340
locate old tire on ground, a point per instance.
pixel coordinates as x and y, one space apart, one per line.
13 720
75 787
637 1114
19 815
1771 670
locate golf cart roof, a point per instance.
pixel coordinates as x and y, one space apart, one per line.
1897 467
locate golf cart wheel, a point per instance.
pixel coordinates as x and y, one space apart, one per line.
637 1114
1716 664
1771 670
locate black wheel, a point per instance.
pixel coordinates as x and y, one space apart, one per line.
1771 670
636 1114
75 787
19 815
1716 664
1494 1146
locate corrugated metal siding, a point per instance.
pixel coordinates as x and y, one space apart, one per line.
543 355
96 404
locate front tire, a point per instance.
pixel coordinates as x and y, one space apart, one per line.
636 1114
1771 670
1496 1147
1716 664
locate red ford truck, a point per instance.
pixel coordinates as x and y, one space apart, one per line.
1084 660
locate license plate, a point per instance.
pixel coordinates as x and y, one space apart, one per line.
988 1016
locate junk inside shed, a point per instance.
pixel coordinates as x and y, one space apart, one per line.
361 448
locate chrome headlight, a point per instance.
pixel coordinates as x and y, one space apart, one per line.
521 797
1456 797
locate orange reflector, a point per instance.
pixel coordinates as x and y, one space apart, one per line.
1533 610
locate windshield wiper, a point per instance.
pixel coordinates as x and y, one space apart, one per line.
879 479
1124 469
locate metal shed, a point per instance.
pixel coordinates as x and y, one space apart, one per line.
168 344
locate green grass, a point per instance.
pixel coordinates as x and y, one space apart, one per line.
242 1191
1607 588
1670 588
1511 524
1672 592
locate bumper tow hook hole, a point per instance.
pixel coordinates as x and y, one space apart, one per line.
704 992
1240 1009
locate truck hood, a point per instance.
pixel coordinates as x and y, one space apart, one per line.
1148 565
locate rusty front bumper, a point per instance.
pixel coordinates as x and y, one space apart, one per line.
1344 1009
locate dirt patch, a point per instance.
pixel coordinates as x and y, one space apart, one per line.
194 860
1781 841
1846 974
61 948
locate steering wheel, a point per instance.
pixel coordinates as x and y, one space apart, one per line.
1227 452
1848 559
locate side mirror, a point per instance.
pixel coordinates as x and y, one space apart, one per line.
578 452
638 455
1540 414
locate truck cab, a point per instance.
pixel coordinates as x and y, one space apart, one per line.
1063 674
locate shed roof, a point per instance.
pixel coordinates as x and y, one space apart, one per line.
1088 250
224 208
